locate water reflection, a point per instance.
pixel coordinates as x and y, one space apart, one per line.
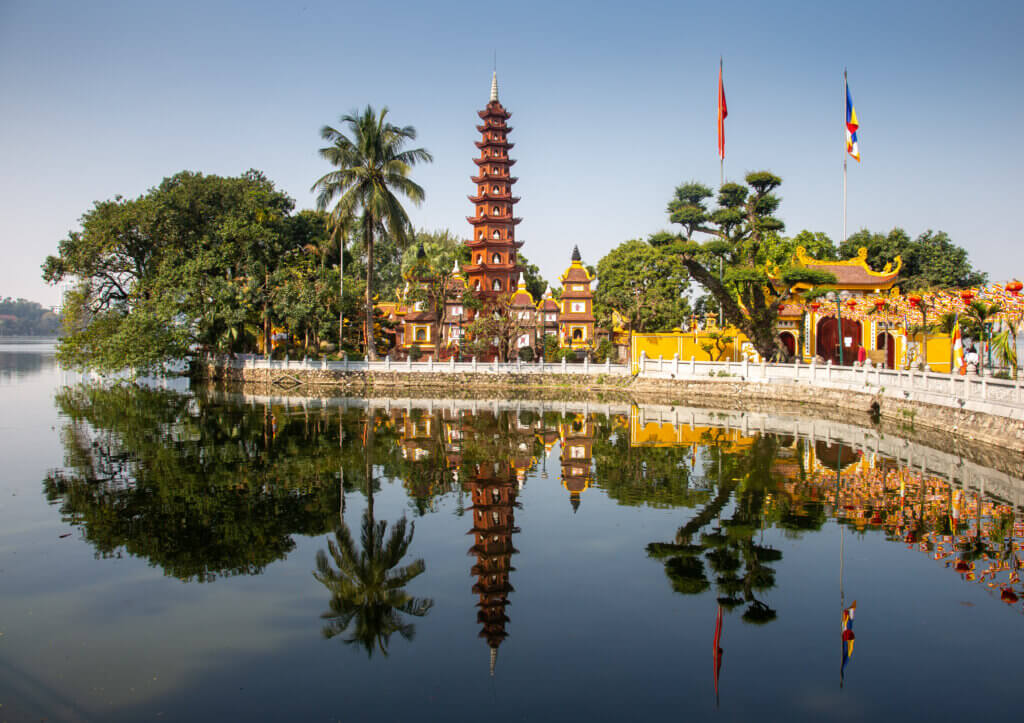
206 489
368 587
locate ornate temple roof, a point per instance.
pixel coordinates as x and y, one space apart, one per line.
576 273
852 273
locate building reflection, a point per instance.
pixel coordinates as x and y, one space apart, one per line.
758 479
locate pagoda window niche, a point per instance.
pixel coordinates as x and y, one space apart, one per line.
577 333
496 259
479 258
497 234
496 286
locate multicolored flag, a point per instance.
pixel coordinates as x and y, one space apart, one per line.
851 127
958 350
847 637
723 112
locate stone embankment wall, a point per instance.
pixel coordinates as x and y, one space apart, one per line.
725 392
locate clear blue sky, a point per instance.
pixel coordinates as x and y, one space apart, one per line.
613 103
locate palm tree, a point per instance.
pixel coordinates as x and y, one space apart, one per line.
372 170
981 313
367 588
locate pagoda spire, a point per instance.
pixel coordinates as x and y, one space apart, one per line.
494 87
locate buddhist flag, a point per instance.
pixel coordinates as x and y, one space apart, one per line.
847 636
723 111
851 127
958 350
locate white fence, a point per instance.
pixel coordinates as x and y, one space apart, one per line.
970 392
248 361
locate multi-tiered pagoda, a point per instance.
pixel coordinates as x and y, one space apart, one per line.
493 268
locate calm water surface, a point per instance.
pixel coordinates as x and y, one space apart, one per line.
166 555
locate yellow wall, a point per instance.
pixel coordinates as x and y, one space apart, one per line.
668 344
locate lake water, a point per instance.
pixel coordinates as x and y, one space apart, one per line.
170 555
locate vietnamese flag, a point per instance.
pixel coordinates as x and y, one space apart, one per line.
723 112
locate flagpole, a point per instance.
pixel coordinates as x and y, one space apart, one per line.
845 154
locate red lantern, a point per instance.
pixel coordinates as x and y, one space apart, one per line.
814 306
879 304
967 296
914 300
851 304
1014 287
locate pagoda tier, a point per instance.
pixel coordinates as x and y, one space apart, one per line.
495 127
485 196
493 160
488 178
494 143
493 218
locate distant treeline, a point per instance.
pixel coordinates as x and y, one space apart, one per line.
21 317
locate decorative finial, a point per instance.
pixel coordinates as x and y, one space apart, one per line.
494 659
494 87
576 254
455 268
421 253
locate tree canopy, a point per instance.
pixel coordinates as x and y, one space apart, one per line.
931 260
740 231
645 282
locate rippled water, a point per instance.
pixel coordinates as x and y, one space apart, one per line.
189 556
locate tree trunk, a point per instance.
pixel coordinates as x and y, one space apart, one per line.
371 347
368 458
341 291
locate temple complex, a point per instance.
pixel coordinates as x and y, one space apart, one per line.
427 328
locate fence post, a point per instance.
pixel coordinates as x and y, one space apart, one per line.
607 364
408 363
387 362
764 369
430 363
828 371
643 362
323 364
675 365
563 365
474 363
814 368
746 367
586 364
984 388
495 364
451 362
519 363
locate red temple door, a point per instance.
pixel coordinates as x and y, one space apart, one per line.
829 340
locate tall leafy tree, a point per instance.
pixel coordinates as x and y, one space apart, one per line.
930 260
644 282
740 229
372 171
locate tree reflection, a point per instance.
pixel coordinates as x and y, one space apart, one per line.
200 489
368 598
742 476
